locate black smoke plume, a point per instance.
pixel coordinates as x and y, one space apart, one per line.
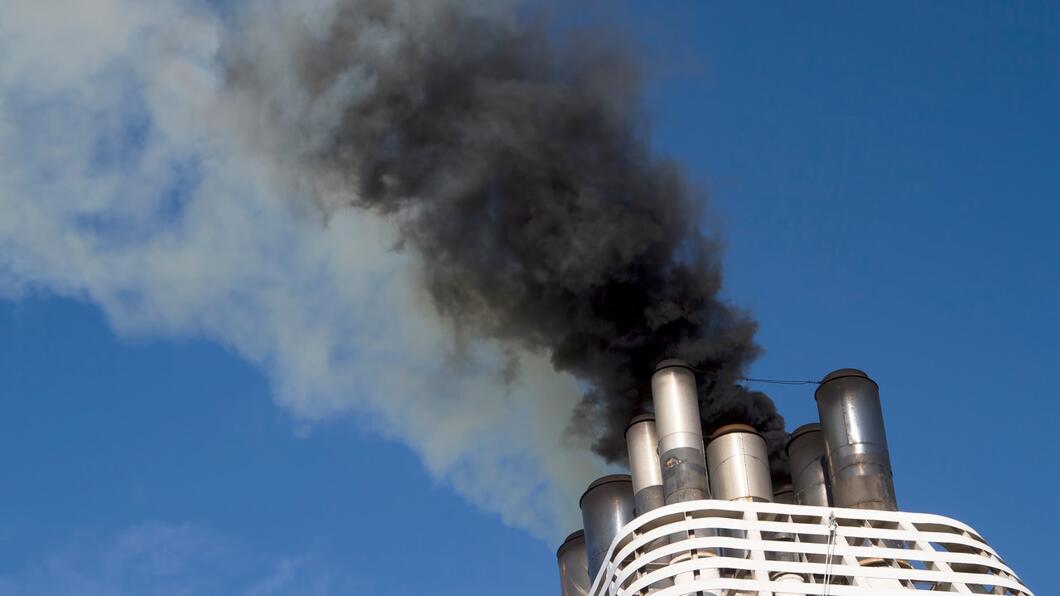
518 165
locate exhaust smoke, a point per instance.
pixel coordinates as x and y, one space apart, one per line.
517 165
235 171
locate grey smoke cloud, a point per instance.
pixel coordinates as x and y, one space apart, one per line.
126 180
518 168
427 213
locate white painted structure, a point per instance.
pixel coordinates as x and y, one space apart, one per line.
780 550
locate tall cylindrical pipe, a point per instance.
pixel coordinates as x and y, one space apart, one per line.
573 566
859 464
784 495
883 583
606 506
738 462
738 465
809 466
790 578
809 474
642 441
684 466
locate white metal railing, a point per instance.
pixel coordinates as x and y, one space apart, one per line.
722 548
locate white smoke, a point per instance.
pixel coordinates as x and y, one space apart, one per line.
129 179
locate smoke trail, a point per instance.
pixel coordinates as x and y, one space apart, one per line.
157 160
519 169
125 182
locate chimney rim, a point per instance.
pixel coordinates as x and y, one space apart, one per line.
842 373
673 363
569 540
638 419
805 429
733 428
610 478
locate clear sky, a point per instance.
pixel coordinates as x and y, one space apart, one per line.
887 183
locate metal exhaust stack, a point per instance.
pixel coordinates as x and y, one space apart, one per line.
684 466
785 495
738 460
681 452
573 566
739 464
852 421
642 441
809 466
859 465
606 506
809 474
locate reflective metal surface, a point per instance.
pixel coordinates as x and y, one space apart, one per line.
789 578
809 466
642 441
881 583
681 454
848 402
606 506
573 566
809 475
673 391
738 463
785 494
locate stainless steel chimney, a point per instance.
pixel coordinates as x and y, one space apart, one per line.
684 466
739 471
852 421
809 466
642 441
606 506
573 566
739 464
784 495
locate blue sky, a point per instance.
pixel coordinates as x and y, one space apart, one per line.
887 183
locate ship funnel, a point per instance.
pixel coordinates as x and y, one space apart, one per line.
739 464
784 495
809 466
573 566
684 467
607 506
642 440
739 471
852 422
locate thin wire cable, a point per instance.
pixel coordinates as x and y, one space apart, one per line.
779 381
756 380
